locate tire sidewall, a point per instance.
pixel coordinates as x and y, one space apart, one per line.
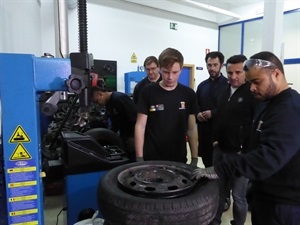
197 207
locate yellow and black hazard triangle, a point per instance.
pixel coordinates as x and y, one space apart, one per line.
20 153
133 58
19 135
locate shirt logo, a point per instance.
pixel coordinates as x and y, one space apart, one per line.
240 100
182 105
259 126
158 107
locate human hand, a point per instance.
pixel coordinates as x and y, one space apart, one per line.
208 172
200 117
194 161
206 114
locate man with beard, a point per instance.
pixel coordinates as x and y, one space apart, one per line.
273 163
207 95
236 107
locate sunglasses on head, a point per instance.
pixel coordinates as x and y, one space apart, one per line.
260 63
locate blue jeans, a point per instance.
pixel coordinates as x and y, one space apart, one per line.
274 214
238 187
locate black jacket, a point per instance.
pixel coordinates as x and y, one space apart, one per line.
208 92
122 113
233 122
274 160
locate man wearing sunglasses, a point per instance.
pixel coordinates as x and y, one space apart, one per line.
273 163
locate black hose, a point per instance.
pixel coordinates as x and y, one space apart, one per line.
63 124
82 25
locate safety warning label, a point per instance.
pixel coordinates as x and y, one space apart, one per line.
22 198
133 58
20 153
19 135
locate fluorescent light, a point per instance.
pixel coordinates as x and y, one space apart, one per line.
213 8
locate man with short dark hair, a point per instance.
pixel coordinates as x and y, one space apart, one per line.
236 106
122 113
207 93
273 162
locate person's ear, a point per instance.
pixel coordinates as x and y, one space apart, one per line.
277 74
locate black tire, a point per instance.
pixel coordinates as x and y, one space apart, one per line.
120 208
105 137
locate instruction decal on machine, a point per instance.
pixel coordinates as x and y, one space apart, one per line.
22 194
20 153
19 135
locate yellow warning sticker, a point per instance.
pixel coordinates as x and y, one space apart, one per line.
22 184
133 58
22 198
35 222
20 153
23 212
19 135
21 169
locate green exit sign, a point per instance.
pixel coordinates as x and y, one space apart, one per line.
173 26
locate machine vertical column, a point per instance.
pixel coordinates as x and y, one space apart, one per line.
21 77
3 208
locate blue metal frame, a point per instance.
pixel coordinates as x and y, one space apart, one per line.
135 76
292 61
286 61
87 191
3 208
22 77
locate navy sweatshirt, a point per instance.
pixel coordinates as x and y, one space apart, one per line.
274 160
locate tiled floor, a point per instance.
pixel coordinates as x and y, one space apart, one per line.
52 210
54 216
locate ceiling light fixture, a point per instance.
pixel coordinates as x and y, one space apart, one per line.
213 8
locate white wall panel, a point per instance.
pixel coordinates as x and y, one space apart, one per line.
116 33
20 27
292 72
291 35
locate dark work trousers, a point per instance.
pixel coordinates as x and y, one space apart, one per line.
205 146
271 213
238 185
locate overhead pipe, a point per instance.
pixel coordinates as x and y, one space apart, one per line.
61 29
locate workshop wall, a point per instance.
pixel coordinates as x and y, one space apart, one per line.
118 33
115 32
20 27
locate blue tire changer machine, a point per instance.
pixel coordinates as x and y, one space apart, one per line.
23 77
